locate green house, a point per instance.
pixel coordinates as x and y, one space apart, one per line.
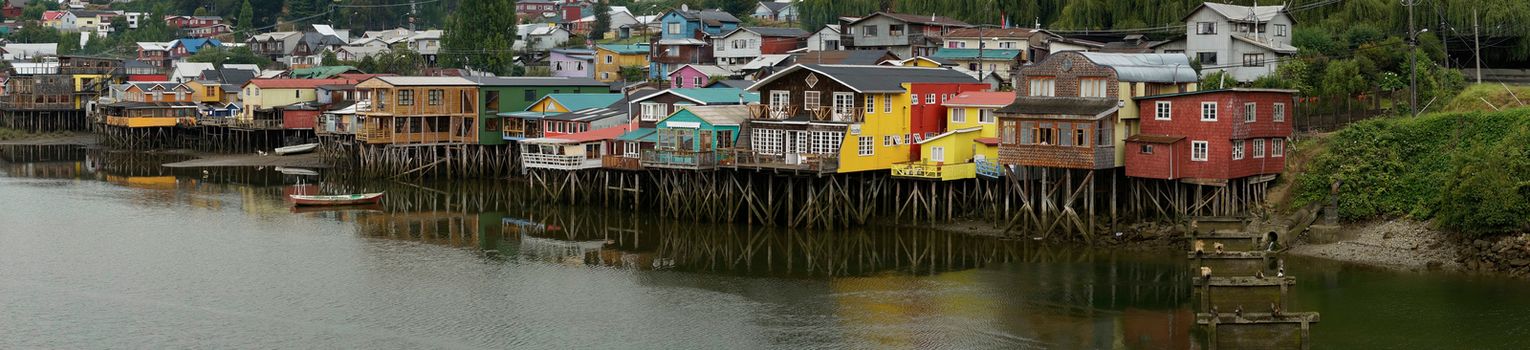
690 138
501 96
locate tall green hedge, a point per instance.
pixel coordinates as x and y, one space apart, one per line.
1471 171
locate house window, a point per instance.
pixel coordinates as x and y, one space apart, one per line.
1279 114
1006 44
827 142
529 95
938 154
958 115
844 106
1205 28
1145 149
1091 88
1277 147
435 96
913 99
871 104
1237 150
1043 86
869 30
1253 59
610 58
1280 30
985 116
605 75
674 28
1043 134
767 141
1258 148
1199 150
1206 58
1249 112
956 44
811 100
1164 111
929 99
1208 111
779 99
895 30
653 111
886 103
889 140
1081 135
696 82
864 146
406 97
1008 132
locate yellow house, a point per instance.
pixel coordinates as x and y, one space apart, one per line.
206 91
609 60
88 82
970 145
261 95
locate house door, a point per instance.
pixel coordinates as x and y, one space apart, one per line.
796 146
705 141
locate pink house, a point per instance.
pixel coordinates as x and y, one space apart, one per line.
696 75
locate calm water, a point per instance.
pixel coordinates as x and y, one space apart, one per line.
105 250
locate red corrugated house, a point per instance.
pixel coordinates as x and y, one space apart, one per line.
1211 136
927 117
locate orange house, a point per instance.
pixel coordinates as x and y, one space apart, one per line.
153 104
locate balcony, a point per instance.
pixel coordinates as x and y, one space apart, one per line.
621 162
935 171
828 114
142 122
989 169
746 158
558 162
259 124
759 111
680 159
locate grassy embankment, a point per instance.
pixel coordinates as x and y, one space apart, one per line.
1467 168
13 134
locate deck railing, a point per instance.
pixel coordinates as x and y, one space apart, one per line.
558 161
681 159
990 169
935 171
621 162
738 157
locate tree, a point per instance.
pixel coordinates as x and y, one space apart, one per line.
602 20
739 8
246 21
201 11
33 32
237 55
329 59
33 11
119 24
480 35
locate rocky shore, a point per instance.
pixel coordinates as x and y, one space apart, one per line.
1413 246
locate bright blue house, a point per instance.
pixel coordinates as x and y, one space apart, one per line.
684 38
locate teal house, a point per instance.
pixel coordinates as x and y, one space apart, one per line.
690 138
529 124
500 96
646 109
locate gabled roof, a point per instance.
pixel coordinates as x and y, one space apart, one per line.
707 96
1238 13
195 44
714 16
587 136
1009 33
1145 67
153 46
538 81
321 72
53 15
295 83
731 83
236 77
919 19
424 81
574 102
626 49
982 99
274 35
709 70
150 85
875 79
718 115
775 6
772 32
860 57
588 115
971 54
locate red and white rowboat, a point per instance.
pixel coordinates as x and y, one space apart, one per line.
343 199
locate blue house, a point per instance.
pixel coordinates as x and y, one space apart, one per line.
190 46
685 38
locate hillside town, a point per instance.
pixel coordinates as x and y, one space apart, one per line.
1225 132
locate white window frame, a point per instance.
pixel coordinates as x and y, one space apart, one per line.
938 154
1258 148
886 103
864 146
696 82
1280 30
985 116
826 142
1199 151
675 28
844 109
652 111
1208 111
1043 87
1279 114
1092 87
1250 112
1237 149
958 115
812 100
871 104
1163 110
929 99
889 140
913 99
779 100
1277 147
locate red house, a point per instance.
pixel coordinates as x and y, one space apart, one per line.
1211 136
927 116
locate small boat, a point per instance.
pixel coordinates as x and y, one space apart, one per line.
298 149
343 199
367 208
296 171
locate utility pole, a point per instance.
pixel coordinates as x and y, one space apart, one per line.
1412 60
412 15
1477 44
981 43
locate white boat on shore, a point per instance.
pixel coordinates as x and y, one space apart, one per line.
296 149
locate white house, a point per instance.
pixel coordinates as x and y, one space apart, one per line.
826 39
779 10
736 48
540 37
1247 42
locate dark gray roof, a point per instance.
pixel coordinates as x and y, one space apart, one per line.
1060 106
878 78
709 15
777 32
317 39
228 76
537 81
860 57
733 83
775 6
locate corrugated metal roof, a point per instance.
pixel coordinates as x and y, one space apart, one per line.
587 115
982 99
1061 107
425 81
710 95
866 79
640 135
1244 13
720 115
1145 67
957 54
627 49
538 81
583 101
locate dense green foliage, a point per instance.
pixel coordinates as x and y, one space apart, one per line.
399 61
602 20
480 35
237 55
1471 171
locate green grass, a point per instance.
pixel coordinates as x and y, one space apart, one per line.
1472 98
1469 170
13 134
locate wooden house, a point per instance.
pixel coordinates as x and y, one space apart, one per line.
263 101
906 35
738 47
690 138
569 152
647 109
682 40
152 104
841 118
418 110
528 124
500 97
1072 109
609 60
970 145
572 63
1211 136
